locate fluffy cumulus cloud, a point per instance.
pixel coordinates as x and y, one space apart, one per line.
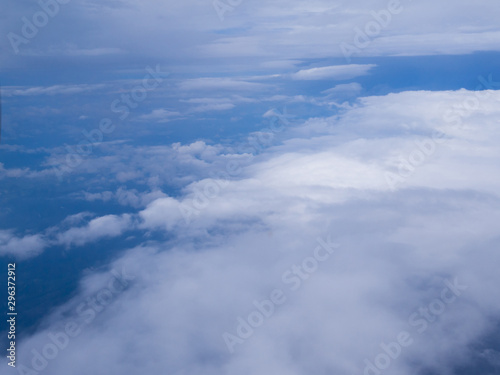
21 247
101 227
363 243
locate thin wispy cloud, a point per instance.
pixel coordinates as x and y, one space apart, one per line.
341 72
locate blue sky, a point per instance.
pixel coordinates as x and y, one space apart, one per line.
170 172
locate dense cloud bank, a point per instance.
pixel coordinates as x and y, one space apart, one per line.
364 243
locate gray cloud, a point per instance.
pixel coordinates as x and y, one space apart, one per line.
298 32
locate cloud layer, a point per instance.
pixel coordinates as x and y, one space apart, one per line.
406 184
318 30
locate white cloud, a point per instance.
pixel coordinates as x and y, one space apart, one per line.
327 178
103 196
50 90
337 72
21 247
77 218
346 89
162 213
407 183
98 228
217 104
214 107
268 36
160 115
220 84
22 172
